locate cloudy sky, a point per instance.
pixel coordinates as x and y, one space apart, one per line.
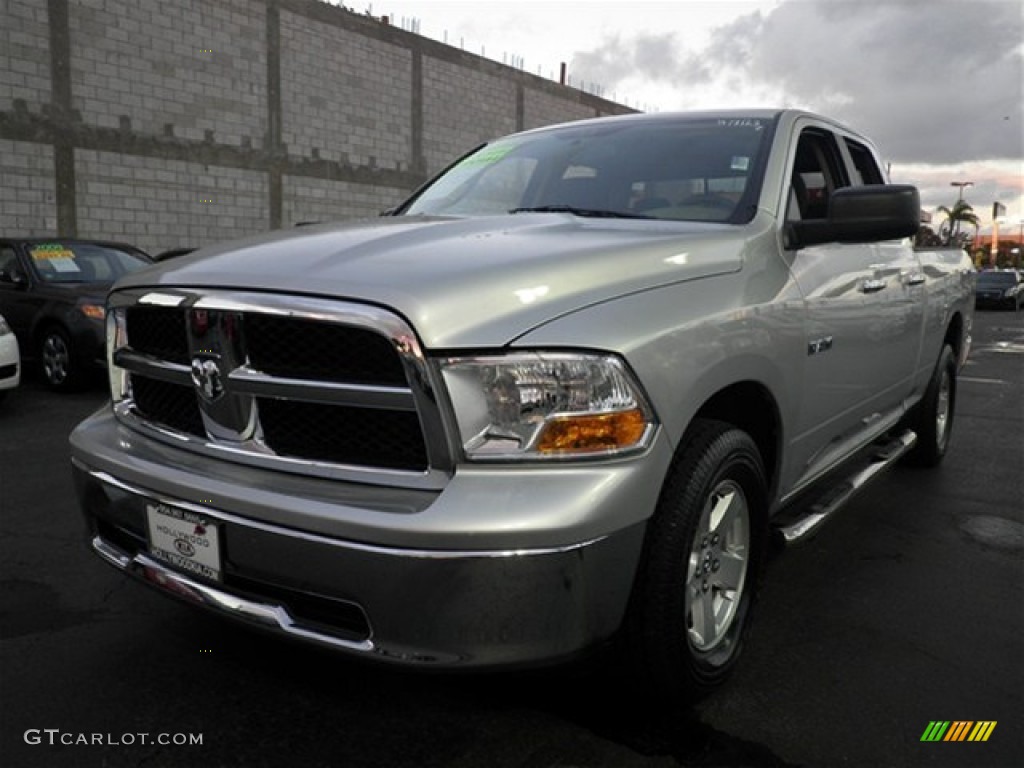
938 84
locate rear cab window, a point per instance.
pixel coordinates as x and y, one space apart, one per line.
864 168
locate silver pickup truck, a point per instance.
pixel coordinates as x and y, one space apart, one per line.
569 392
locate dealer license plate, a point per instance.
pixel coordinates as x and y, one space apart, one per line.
185 540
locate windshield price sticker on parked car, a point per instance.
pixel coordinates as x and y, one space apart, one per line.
51 251
56 255
184 539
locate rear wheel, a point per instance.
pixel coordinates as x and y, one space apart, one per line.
59 366
704 548
933 416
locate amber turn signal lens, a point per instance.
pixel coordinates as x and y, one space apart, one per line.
592 432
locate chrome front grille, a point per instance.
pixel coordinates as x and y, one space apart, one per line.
285 346
343 435
160 332
304 385
169 404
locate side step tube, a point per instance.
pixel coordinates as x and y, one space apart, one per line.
794 528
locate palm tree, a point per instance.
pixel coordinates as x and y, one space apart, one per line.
926 237
961 212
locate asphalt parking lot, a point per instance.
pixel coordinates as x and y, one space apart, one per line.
908 609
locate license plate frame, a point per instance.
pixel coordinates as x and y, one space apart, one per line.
189 541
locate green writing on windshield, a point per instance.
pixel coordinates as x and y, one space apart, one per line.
488 155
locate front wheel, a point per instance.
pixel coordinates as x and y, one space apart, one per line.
702 557
59 367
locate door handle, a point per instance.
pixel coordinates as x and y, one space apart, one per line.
872 285
915 278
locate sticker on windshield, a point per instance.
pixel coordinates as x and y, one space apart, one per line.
64 265
488 155
51 251
740 163
55 257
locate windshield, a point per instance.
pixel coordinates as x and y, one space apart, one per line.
706 169
62 262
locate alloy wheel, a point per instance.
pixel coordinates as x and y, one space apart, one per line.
717 568
56 358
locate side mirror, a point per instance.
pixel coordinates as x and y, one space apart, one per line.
13 277
865 214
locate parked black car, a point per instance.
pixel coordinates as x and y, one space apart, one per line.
999 288
52 292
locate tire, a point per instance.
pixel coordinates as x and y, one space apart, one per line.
702 559
57 359
933 416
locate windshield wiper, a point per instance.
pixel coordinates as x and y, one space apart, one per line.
595 213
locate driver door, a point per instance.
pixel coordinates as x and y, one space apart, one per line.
862 325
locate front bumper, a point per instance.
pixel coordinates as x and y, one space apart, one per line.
994 300
504 600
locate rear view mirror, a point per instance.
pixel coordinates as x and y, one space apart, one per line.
865 214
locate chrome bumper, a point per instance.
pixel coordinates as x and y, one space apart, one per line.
437 608
271 616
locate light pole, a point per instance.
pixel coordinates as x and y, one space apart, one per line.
961 185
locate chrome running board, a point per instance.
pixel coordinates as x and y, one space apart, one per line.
794 526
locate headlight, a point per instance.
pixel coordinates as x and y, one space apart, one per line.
546 405
4 327
117 337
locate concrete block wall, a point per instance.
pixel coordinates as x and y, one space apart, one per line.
543 108
344 96
27 190
308 200
171 123
198 66
466 107
24 54
152 201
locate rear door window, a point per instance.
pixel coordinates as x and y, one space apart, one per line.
865 169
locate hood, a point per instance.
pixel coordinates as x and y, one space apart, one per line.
478 282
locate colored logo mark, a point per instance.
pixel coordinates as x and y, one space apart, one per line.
958 730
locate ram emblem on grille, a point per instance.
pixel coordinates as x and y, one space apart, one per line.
207 379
